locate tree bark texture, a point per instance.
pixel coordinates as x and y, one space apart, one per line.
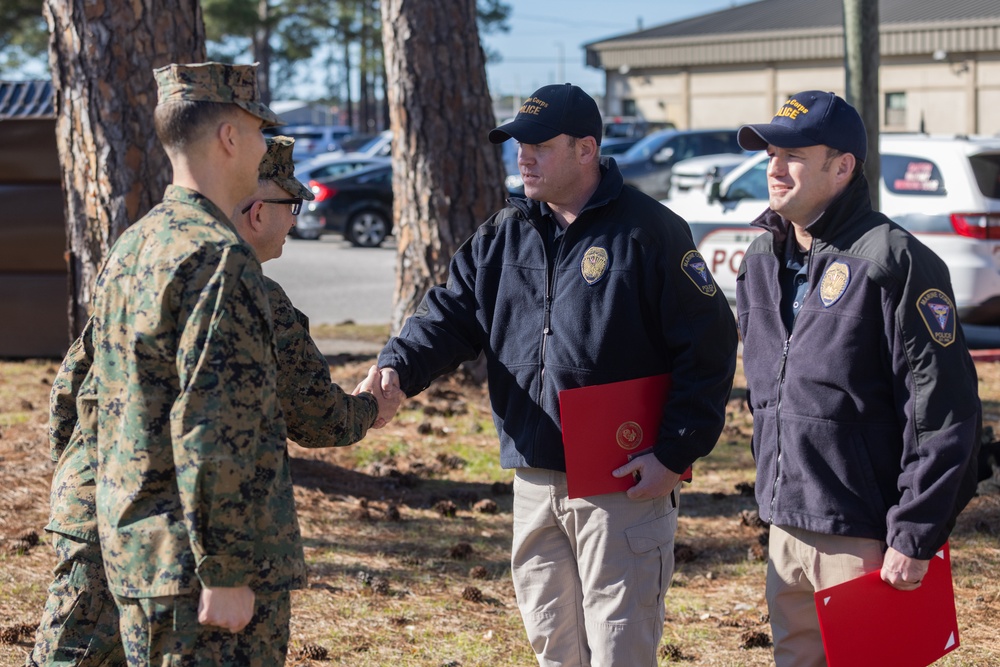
861 59
102 54
447 177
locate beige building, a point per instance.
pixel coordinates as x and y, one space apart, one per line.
940 64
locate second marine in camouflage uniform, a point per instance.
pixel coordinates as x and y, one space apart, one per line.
80 623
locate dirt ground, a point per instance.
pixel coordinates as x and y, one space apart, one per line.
407 539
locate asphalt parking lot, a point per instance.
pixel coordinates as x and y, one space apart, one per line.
333 282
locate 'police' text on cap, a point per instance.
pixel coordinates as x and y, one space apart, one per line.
810 118
551 111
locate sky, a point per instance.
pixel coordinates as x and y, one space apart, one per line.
546 38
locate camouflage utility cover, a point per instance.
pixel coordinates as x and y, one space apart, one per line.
213 82
277 166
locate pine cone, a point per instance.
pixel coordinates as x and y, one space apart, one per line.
486 506
472 594
10 635
479 572
30 536
461 551
365 578
755 639
380 586
446 508
19 546
313 652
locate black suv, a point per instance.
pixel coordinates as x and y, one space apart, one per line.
646 165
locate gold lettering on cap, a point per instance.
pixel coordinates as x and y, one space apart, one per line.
532 106
791 109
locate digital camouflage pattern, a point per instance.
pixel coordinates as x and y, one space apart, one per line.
165 631
277 166
193 482
318 412
79 626
213 82
65 389
80 618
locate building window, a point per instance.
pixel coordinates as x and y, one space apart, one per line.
895 110
628 107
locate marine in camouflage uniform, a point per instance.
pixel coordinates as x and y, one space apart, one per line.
80 623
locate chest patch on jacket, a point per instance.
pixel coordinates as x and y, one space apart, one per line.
835 280
594 265
696 269
939 315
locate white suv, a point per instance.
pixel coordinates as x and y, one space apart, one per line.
945 190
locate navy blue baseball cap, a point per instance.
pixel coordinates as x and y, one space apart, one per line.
551 111
810 118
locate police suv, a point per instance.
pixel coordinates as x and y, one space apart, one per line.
945 190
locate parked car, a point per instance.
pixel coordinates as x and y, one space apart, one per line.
623 127
696 172
647 164
311 140
617 145
378 146
327 166
945 190
357 204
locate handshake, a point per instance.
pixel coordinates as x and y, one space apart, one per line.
383 383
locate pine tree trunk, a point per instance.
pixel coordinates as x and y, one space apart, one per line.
447 177
114 170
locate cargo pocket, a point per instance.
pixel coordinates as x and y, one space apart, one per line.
652 546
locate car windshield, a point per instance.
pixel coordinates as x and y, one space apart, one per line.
646 147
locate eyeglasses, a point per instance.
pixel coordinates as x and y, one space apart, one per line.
295 203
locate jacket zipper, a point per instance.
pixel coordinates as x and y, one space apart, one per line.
781 381
777 423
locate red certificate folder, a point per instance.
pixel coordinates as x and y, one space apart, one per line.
603 424
866 621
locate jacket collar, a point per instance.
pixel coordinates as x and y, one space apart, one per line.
854 201
608 189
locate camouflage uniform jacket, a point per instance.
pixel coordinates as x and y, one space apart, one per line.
317 411
72 442
193 479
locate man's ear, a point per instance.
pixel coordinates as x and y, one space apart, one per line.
588 150
845 168
226 133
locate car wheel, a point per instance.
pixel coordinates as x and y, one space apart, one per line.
367 229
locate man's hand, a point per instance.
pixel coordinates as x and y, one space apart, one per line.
655 479
903 572
387 405
228 608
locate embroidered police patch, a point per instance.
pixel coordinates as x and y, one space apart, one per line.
834 283
629 436
696 269
594 265
939 315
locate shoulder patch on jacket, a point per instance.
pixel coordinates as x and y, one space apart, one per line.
938 313
595 264
695 268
